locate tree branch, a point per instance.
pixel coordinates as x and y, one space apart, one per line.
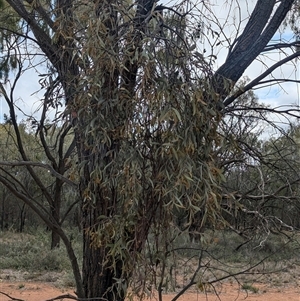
10 297
44 40
42 165
246 50
257 80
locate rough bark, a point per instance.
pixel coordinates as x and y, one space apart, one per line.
101 271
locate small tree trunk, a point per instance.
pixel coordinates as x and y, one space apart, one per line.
55 213
22 217
55 240
2 214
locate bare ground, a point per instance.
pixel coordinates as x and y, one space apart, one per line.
48 285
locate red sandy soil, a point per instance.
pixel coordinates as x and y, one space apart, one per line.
41 291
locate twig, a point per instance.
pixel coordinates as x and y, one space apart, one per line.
192 281
65 296
10 297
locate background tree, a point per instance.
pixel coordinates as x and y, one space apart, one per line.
145 107
261 173
34 144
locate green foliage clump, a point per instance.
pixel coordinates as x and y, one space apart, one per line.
249 287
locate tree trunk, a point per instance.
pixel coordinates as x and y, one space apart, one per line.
22 217
55 213
55 240
105 273
2 212
102 271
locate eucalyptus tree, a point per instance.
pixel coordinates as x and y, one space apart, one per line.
145 104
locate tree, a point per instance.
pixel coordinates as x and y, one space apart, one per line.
20 146
262 177
145 107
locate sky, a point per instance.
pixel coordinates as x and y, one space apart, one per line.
287 94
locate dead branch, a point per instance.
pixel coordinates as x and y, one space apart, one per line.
65 296
10 297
